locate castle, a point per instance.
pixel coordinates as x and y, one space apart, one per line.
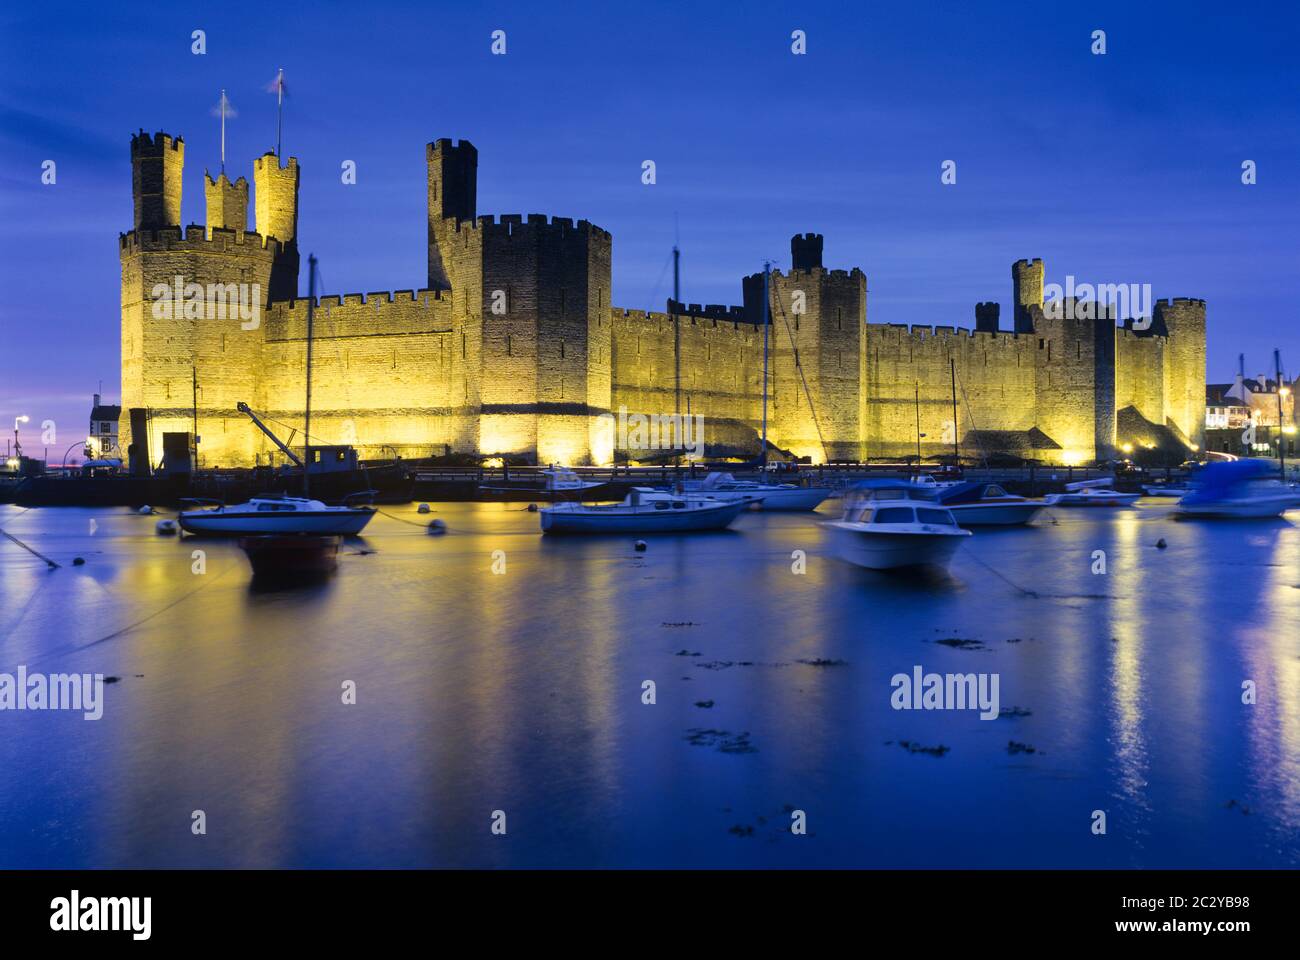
513 348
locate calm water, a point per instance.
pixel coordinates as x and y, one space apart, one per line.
521 692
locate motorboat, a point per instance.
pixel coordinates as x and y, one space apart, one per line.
554 483
1238 489
638 513
1167 489
774 496
276 515
1091 493
893 524
976 504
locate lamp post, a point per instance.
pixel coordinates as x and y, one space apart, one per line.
85 442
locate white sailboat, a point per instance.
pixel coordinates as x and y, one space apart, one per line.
643 511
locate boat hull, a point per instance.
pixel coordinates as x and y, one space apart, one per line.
642 519
1253 508
291 556
891 551
215 523
994 514
1080 500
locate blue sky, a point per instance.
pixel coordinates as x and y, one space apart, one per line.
1122 168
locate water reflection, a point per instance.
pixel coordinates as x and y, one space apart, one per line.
498 670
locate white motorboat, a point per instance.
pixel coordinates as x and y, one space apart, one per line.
1166 490
891 524
658 513
774 496
978 504
554 483
276 515
1091 493
1241 489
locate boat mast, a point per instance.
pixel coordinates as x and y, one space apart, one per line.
767 321
956 450
917 389
1281 436
306 421
194 410
677 334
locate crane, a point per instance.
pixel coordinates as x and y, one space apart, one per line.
247 411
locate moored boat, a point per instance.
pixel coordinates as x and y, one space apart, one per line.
290 556
1241 489
775 496
1091 493
276 515
666 514
987 504
891 525
556 483
1166 490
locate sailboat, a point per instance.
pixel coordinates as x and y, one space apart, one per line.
272 516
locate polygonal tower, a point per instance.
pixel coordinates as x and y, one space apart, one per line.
1027 292
817 354
276 212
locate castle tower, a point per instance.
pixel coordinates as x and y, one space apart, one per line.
227 203
156 165
817 354
806 251
453 197
1074 378
192 305
986 317
1027 292
1184 370
276 213
546 350
455 259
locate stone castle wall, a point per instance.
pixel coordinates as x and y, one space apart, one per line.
514 347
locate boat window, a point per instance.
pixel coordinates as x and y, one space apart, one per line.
661 505
679 504
935 516
995 491
894 515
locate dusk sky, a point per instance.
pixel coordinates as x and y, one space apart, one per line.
1122 168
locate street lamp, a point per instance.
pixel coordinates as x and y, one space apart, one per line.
86 442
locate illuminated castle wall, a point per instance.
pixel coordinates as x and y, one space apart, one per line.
513 347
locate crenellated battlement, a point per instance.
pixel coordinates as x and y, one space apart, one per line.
712 311
194 238
517 224
144 144
732 320
390 313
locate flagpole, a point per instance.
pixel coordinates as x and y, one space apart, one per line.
223 131
279 109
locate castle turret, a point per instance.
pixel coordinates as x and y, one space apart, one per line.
1027 292
817 354
156 166
1184 379
276 212
986 317
227 203
453 197
805 251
